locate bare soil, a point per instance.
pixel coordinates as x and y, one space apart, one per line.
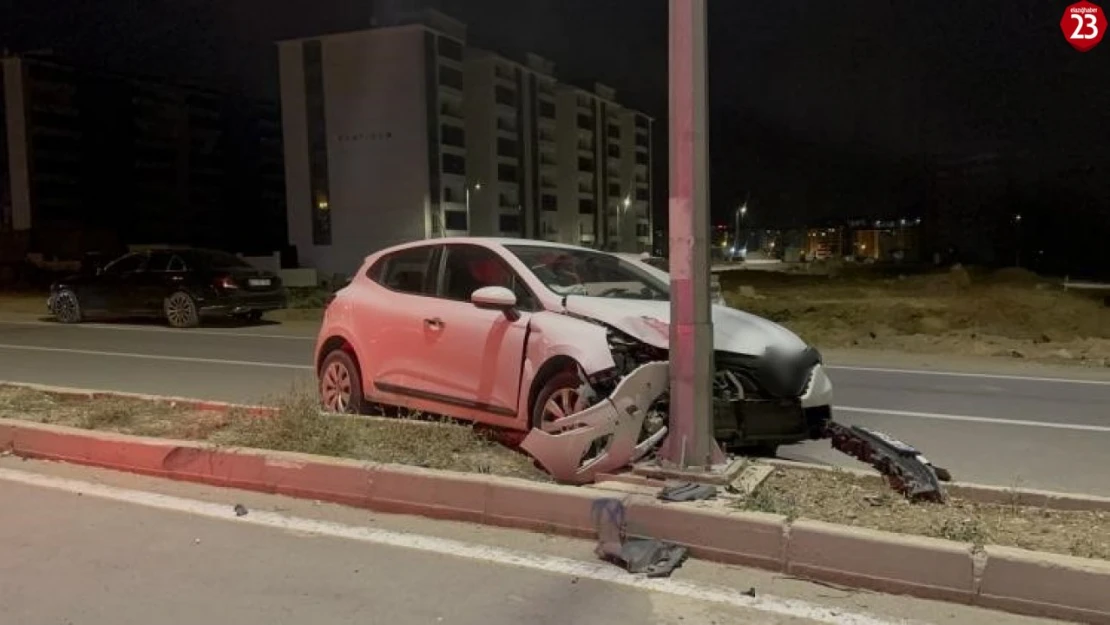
1009 313
297 426
848 499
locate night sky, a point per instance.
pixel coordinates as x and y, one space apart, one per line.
816 109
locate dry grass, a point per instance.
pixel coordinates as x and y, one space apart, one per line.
1010 313
23 302
847 499
296 426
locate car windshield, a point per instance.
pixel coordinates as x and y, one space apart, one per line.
567 271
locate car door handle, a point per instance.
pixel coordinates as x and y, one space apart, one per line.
434 323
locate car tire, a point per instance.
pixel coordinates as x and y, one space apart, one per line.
66 307
181 310
561 388
339 384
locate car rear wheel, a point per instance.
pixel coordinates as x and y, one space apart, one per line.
181 310
340 384
559 397
67 307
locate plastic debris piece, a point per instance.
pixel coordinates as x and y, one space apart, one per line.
240 510
651 557
688 491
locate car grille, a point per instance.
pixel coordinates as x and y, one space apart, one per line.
771 376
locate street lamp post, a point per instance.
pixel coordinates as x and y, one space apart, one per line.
690 442
469 226
741 211
1017 240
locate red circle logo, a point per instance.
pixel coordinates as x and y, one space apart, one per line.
1083 24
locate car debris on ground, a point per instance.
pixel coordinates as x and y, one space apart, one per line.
639 556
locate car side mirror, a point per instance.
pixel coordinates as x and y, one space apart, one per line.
495 298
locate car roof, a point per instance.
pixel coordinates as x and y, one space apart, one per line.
487 241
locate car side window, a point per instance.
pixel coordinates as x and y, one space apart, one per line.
176 264
159 261
125 264
406 271
472 267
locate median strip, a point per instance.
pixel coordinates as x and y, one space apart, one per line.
836 527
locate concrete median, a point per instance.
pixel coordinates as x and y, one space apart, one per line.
1009 579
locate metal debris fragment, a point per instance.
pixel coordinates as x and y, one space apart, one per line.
639 556
240 510
688 491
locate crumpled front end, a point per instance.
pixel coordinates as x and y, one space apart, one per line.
606 436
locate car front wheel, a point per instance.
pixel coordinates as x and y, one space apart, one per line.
66 307
560 397
340 384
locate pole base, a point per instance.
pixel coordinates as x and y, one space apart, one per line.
721 473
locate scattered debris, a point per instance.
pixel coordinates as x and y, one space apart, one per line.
688 491
750 478
750 592
906 470
240 510
639 556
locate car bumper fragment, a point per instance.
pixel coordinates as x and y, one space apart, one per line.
619 417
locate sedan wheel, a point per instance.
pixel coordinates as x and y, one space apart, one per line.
67 308
181 311
340 388
557 399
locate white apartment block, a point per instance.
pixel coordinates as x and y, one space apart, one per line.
402 132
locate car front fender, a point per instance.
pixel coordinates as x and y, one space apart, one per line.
554 336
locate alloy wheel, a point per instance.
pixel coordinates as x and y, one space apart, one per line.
181 312
336 387
66 307
562 403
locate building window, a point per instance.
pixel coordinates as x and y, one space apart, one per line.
642 140
641 121
642 194
614 131
313 58
585 121
643 230
455 220
506 147
451 77
547 109
454 164
452 135
586 207
614 190
614 150
549 203
450 49
504 95
506 172
585 164
509 224
641 158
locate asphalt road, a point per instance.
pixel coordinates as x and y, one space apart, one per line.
89 547
1033 429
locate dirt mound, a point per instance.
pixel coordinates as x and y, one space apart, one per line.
1015 276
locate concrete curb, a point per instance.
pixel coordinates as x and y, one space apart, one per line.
1010 579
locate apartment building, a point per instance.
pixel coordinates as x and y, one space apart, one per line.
93 160
604 171
375 140
403 131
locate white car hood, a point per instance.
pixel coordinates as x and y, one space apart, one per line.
649 321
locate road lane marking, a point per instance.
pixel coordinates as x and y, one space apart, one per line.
209 361
430 544
986 376
988 420
179 332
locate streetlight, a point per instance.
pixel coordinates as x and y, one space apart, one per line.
477 187
741 211
1017 240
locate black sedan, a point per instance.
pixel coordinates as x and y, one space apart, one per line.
182 286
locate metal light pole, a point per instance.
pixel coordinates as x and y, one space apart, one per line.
690 442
